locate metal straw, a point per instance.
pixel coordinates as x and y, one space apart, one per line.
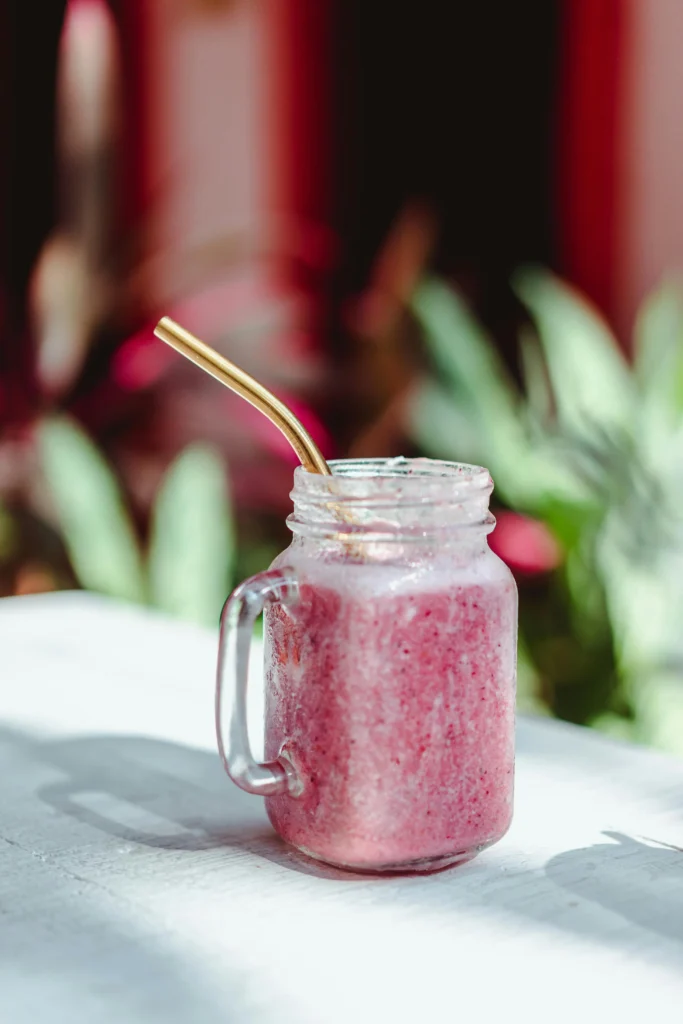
243 384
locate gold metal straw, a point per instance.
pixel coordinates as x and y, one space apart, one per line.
237 380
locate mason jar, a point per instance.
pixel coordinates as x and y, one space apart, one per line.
390 657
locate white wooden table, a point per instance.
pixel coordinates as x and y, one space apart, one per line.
137 884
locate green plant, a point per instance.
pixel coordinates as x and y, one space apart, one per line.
188 565
593 447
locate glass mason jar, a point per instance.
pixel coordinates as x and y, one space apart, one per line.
390 657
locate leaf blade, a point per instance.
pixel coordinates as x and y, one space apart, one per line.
658 362
590 377
192 545
97 529
489 421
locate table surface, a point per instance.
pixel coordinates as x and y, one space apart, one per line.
137 884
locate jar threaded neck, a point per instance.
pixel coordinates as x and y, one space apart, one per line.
392 499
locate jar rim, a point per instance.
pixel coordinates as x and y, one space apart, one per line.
392 500
401 478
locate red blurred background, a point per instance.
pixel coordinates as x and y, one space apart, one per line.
278 174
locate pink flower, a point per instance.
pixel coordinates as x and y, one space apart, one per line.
526 545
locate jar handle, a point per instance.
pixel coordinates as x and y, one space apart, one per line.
239 614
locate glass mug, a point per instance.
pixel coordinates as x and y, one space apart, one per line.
390 661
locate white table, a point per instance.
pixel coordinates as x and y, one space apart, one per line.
137 884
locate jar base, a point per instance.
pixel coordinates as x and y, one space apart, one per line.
421 866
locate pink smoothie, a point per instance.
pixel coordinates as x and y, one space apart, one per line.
395 703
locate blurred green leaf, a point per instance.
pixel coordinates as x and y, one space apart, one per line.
615 726
643 598
487 421
192 540
658 703
486 416
441 426
659 360
569 516
536 380
98 532
590 377
470 363
589 610
254 557
528 683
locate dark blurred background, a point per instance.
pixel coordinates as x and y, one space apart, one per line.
451 230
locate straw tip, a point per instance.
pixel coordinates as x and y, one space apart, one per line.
163 326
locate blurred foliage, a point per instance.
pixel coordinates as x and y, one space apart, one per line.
188 567
591 447
98 532
192 540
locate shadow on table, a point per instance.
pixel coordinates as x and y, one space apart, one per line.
171 797
639 880
163 795
69 948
